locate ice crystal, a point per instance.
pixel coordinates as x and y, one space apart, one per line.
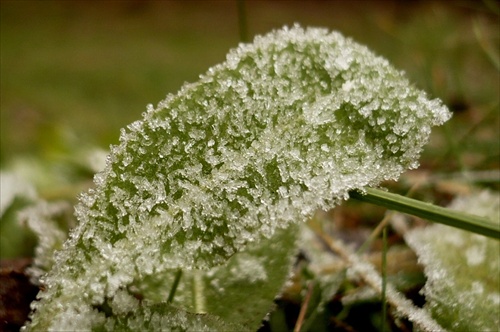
462 268
286 125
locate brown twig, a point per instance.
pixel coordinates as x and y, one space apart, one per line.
303 308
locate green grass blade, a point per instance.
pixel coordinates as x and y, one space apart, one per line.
429 211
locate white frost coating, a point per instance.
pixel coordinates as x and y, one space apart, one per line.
475 255
462 269
287 125
249 268
123 303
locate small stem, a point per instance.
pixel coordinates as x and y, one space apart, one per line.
380 227
199 293
171 295
487 48
384 278
429 211
242 21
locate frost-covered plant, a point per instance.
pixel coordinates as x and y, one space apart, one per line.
42 218
286 125
463 269
11 186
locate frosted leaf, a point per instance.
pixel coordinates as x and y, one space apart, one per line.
250 280
286 125
462 268
11 185
123 303
16 192
241 291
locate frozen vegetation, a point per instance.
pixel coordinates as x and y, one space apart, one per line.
462 269
286 125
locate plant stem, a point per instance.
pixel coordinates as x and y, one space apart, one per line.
199 293
384 278
376 232
429 211
242 21
171 295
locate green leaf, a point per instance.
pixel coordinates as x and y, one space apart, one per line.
241 291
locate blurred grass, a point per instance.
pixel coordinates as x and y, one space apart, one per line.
90 68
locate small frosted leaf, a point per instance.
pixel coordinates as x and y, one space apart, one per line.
49 222
286 125
462 269
241 291
15 194
12 186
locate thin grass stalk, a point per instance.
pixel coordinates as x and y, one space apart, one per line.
429 212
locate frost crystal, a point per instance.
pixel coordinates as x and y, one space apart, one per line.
462 269
287 125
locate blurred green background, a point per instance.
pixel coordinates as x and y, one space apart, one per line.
74 72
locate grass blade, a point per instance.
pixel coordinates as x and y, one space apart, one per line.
430 212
